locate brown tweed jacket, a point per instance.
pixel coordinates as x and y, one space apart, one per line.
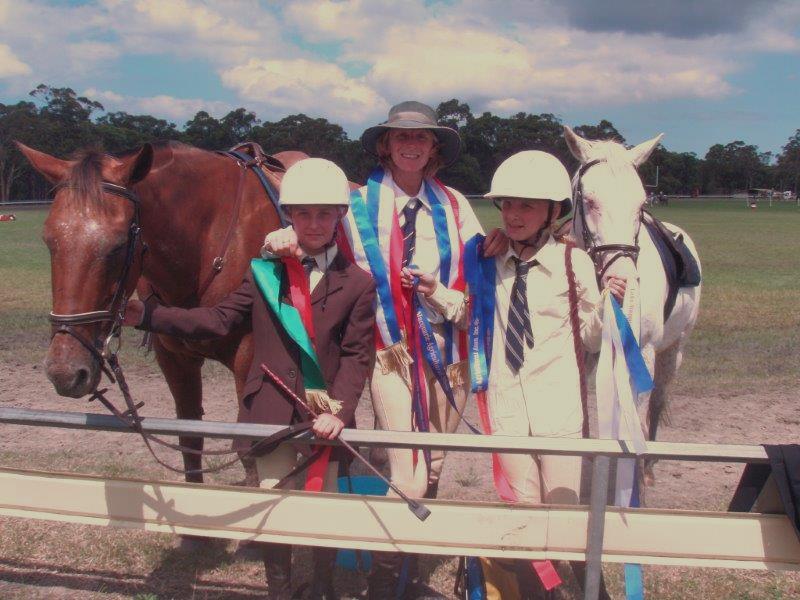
342 306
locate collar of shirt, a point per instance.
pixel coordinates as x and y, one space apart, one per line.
324 258
401 198
548 256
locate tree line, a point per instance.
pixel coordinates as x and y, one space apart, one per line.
60 122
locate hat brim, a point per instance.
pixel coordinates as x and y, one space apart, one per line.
448 138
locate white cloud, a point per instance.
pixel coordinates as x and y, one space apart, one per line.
524 55
10 65
167 107
301 85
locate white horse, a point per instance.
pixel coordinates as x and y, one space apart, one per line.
609 226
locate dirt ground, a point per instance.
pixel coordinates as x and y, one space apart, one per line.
51 560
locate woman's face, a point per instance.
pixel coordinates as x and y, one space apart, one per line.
411 149
522 218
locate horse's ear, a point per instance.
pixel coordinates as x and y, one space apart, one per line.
579 147
143 164
54 169
639 154
134 168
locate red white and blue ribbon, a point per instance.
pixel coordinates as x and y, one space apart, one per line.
371 238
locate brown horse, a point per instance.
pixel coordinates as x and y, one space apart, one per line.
185 208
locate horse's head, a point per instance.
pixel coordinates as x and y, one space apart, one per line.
609 197
92 234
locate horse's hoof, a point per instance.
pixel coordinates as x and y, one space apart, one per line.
193 543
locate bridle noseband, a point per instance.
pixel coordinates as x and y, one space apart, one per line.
595 250
65 323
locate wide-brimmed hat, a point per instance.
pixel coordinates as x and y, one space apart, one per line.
415 115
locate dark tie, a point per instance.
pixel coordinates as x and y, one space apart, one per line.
308 265
519 330
409 229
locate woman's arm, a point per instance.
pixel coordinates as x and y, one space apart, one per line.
451 304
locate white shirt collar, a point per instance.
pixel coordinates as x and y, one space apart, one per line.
324 258
401 198
548 255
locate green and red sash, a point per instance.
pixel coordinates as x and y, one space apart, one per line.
296 320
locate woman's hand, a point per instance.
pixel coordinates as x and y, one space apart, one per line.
427 282
616 285
134 312
283 242
327 426
496 243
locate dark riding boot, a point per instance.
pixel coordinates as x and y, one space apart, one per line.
278 567
433 490
322 581
382 581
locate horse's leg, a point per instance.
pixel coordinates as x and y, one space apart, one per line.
667 363
182 373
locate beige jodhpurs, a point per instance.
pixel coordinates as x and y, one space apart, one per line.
391 402
277 464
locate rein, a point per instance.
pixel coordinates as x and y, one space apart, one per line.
593 249
107 353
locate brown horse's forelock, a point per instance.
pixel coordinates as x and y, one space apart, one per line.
85 177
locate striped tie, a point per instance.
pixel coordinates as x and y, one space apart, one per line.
308 265
519 330
409 229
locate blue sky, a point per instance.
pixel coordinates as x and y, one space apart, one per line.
702 72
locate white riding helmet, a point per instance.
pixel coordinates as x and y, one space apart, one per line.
533 175
314 181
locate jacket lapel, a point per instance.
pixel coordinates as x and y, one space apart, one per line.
333 281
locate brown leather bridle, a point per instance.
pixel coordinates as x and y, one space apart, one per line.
65 323
106 353
590 243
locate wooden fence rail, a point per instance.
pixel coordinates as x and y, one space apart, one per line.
593 533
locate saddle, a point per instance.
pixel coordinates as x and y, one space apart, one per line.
253 157
680 265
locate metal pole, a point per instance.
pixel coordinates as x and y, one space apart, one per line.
596 526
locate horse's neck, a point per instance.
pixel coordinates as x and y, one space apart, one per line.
186 211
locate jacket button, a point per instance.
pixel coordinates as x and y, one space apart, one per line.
292 373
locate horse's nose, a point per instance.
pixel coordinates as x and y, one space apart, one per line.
70 382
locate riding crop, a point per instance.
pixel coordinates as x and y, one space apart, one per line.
420 510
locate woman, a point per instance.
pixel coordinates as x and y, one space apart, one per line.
405 216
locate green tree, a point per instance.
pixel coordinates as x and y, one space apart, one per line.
604 130
788 165
204 131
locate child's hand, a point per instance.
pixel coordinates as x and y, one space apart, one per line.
616 285
427 282
283 242
496 243
327 426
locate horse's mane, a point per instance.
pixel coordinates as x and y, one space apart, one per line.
84 179
85 176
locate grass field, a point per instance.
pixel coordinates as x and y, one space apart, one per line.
747 337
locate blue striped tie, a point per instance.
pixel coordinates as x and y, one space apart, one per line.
519 330
409 229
